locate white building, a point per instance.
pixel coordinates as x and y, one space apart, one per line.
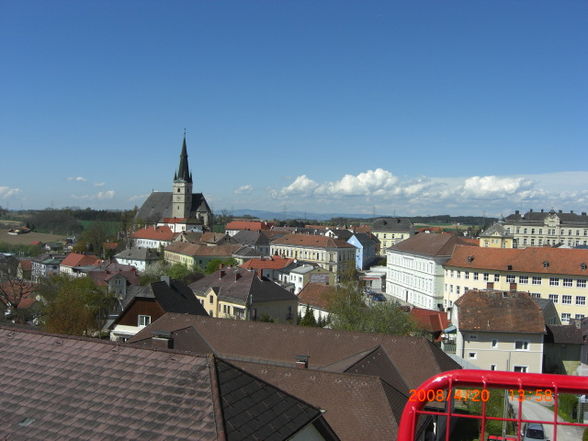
415 268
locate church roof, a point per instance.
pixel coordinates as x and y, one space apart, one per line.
159 205
183 174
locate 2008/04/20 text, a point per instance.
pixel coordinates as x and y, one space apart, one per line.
478 395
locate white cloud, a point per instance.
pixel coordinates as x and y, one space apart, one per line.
377 181
483 186
77 179
108 194
138 197
6 192
301 185
244 189
99 184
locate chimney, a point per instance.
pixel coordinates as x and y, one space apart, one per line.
489 285
221 274
583 213
516 211
530 210
237 276
542 210
166 279
302 361
513 287
560 211
162 340
572 211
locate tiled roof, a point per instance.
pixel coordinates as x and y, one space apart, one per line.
17 290
26 264
414 358
240 285
189 249
540 260
356 406
495 230
499 311
137 253
159 206
75 259
392 224
72 388
317 295
538 217
252 238
564 334
163 233
273 262
248 225
429 244
432 321
311 241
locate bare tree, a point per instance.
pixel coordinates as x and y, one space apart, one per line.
13 290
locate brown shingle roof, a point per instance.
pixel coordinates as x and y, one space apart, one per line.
75 259
415 358
312 241
316 294
564 334
429 244
499 311
248 225
154 233
540 260
73 388
273 262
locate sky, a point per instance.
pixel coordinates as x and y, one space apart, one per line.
471 107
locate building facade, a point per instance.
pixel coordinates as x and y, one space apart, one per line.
390 231
556 274
539 228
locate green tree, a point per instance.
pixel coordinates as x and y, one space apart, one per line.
73 306
308 318
214 264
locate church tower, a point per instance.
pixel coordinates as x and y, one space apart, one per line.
182 191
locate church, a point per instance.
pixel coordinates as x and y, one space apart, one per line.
179 209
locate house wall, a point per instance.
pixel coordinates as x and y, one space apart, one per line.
148 307
496 242
389 238
458 280
550 232
139 264
335 260
316 311
415 279
562 358
150 243
173 257
210 303
281 311
498 349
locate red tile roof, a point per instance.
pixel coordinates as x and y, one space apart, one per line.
17 291
541 260
311 241
110 245
154 233
317 295
273 262
26 264
429 320
76 259
248 225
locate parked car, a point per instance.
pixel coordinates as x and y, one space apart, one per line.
533 432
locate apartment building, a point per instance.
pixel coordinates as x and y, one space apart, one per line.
390 231
557 274
334 255
538 228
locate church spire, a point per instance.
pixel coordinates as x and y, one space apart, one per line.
183 174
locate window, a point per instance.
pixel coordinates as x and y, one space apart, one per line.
536 295
579 316
536 280
580 300
486 276
581 283
553 297
567 282
566 300
458 275
510 279
523 280
553 281
494 343
475 276
457 290
565 317
496 278
492 367
466 275
472 355
520 369
522 345
211 299
473 337
143 320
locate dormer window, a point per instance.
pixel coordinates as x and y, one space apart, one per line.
545 264
583 266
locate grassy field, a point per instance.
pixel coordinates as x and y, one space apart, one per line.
28 238
111 227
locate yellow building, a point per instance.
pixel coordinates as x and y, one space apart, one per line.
390 231
557 274
191 255
331 254
240 294
496 236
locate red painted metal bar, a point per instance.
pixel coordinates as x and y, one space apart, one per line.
489 379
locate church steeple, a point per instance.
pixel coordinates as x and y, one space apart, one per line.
183 174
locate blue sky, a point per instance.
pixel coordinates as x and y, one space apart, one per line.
420 107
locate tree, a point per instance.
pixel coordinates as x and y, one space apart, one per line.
308 318
74 306
214 264
349 312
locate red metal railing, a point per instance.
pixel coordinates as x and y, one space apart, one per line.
451 381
